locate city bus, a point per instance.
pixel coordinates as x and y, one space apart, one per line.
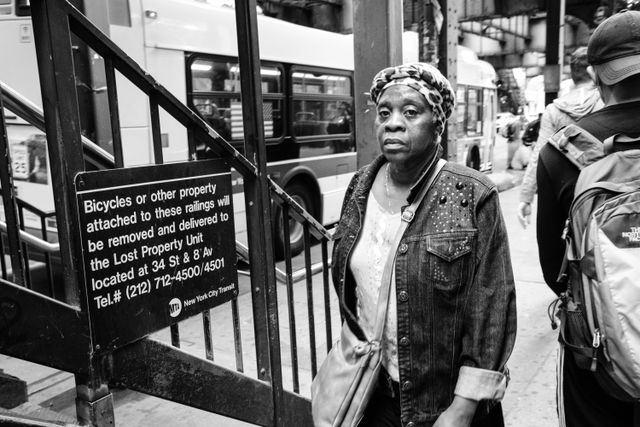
190 47
476 111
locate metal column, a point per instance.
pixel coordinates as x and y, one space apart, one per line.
257 201
377 39
555 51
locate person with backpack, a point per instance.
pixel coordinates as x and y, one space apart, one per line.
582 99
592 355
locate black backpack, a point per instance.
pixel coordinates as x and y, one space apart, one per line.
531 131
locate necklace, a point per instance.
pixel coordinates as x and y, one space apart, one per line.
386 187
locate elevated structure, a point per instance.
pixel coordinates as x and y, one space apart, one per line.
536 35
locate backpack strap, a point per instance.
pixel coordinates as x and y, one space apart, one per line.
620 142
613 187
576 144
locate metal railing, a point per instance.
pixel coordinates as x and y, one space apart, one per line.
227 387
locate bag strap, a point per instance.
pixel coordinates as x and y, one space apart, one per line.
577 145
407 217
620 142
612 187
569 151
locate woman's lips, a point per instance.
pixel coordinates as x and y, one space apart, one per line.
393 143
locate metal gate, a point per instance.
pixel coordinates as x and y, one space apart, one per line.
38 324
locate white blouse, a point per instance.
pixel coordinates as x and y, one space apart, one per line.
367 265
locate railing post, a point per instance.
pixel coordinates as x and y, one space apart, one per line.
10 205
52 35
94 402
258 203
60 106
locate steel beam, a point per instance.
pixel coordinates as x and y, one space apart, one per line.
42 330
553 60
448 66
377 39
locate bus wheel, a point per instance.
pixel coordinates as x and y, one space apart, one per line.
299 193
473 159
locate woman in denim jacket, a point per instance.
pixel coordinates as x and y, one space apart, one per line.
451 321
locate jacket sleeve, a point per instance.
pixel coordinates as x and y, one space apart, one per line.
489 317
550 220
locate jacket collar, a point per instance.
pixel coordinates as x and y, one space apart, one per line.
365 182
426 173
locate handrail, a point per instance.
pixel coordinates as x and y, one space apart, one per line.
33 114
30 239
317 229
34 209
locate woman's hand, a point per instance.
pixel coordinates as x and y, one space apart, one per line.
458 414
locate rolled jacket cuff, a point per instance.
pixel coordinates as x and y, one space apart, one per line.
481 384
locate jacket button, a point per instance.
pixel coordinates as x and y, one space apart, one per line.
443 199
464 203
404 341
403 296
403 248
459 185
406 386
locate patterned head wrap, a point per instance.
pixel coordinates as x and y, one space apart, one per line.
424 78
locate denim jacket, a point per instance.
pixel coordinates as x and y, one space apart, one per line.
454 290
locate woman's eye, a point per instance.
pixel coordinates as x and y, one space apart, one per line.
410 113
383 114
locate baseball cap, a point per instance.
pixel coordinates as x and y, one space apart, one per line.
614 47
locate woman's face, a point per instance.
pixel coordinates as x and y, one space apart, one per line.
404 126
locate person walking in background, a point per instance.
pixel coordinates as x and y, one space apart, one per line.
522 155
451 319
512 133
582 99
614 53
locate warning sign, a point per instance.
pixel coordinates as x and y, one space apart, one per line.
158 246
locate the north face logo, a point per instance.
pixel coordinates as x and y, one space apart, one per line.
633 235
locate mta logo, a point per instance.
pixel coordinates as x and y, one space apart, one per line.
175 307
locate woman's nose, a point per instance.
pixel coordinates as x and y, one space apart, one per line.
395 121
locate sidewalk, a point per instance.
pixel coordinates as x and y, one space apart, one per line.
530 399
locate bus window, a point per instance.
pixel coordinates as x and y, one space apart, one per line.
5 7
321 106
119 13
215 95
474 112
23 7
310 83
